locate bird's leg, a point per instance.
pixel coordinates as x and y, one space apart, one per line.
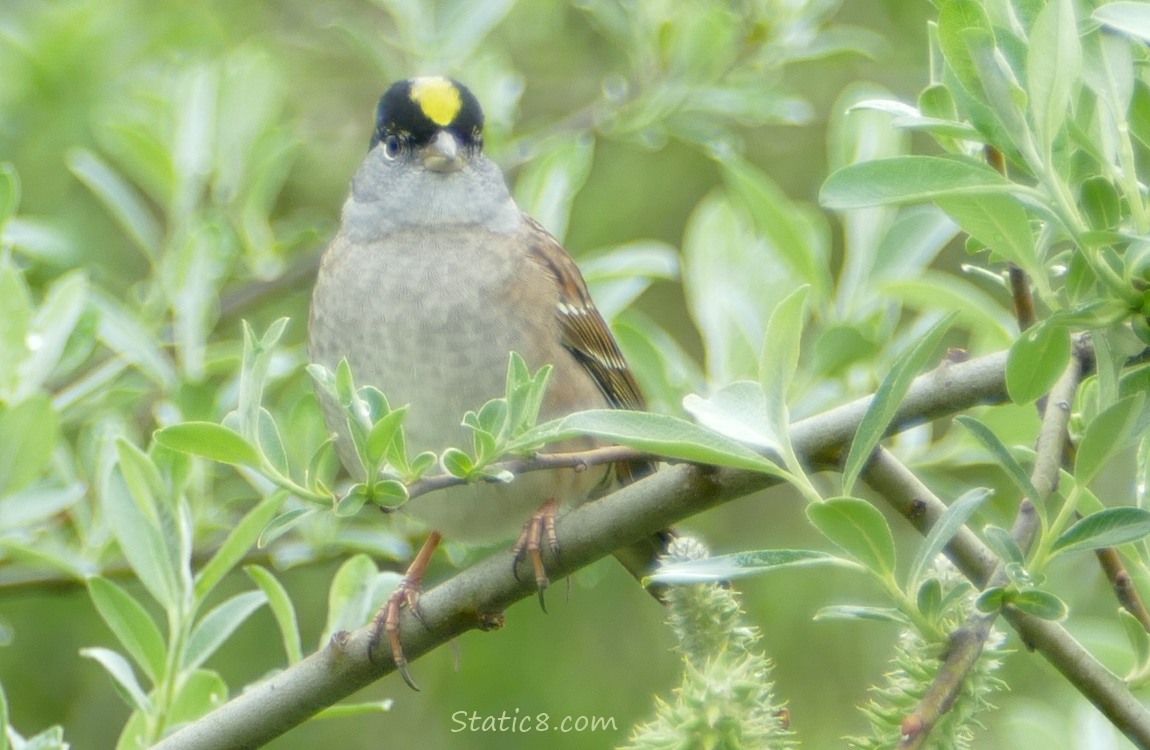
540 526
386 620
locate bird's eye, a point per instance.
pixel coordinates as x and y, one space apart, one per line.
391 146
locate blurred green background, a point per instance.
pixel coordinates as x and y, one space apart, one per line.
77 73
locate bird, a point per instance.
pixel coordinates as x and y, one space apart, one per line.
434 277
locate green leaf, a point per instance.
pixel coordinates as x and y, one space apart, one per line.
50 328
857 528
50 555
659 434
28 436
1001 453
999 223
345 386
133 627
352 501
909 179
16 312
887 399
524 393
775 217
991 599
121 199
215 627
140 538
1106 528
618 275
457 463
1139 641
943 531
271 443
1036 361
344 710
238 543
547 186
383 433
1002 92
742 564
209 440
1039 603
935 115
422 463
1131 18
838 346
732 276
974 309
1108 433
37 504
125 334
957 21
743 412
958 595
143 479
280 604
1053 66
1004 544
323 467
491 417
780 355
1100 203
850 612
281 524
356 591
199 692
940 129
929 598
324 379
389 494
122 677
274 333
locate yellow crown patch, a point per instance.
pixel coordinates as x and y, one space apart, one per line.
438 98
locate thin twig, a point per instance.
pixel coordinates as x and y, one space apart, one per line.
1123 585
577 460
252 294
1023 299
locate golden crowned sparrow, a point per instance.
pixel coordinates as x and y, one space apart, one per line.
434 278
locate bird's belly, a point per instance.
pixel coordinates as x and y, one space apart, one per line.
422 338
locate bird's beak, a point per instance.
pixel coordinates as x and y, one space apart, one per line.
443 153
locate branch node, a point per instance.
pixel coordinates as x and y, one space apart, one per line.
339 640
912 726
917 509
488 621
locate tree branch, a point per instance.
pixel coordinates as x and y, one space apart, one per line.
903 490
969 640
1109 693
